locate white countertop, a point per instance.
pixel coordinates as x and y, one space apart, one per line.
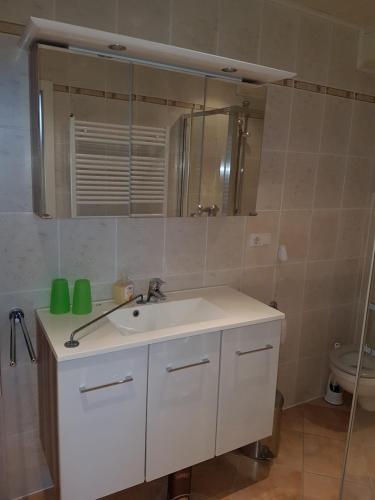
238 310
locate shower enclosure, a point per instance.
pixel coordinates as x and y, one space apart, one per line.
219 161
358 479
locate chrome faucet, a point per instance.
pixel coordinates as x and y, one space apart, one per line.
154 291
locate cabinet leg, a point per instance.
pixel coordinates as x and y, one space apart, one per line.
179 484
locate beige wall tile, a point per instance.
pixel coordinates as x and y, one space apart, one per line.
299 181
258 282
185 245
278 46
329 181
287 382
336 125
290 279
14 196
341 324
363 130
351 234
343 57
264 222
345 281
289 349
140 247
225 242
309 379
230 277
194 24
20 11
318 285
314 333
294 233
307 115
313 57
183 281
98 14
276 121
87 249
239 20
271 180
323 238
28 253
144 19
357 187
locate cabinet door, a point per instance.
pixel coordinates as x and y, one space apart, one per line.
182 403
102 419
247 388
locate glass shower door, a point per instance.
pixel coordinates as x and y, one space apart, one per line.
358 479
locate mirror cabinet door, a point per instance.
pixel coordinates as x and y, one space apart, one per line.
114 138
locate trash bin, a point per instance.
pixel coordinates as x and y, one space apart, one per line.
268 448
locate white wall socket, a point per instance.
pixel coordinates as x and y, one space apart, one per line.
259 239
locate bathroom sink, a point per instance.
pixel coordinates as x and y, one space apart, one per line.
145 318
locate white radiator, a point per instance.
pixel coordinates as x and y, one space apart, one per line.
117 167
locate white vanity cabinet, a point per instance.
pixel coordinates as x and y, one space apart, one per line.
247 387
101 420
111 419
182 403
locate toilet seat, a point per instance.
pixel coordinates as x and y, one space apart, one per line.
345 358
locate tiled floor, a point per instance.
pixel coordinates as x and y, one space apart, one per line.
308 466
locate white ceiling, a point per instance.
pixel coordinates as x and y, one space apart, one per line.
358 12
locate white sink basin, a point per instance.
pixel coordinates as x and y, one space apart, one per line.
145 318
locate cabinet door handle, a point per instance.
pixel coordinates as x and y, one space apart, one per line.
265 348
171 369
83 389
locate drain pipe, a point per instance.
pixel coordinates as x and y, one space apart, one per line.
179 484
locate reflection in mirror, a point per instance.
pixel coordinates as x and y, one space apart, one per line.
116 138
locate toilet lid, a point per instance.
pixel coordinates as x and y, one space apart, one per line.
345 358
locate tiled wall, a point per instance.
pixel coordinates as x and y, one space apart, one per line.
316 176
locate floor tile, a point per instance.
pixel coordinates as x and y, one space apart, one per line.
358 464
283 483
322 403
323 455
292 419
213 478
326 422
320 487
291 449
355 491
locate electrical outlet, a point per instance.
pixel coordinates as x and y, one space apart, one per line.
259 239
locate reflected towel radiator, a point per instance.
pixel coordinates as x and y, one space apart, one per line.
113 165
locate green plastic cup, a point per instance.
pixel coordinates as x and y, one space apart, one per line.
59 301
82 303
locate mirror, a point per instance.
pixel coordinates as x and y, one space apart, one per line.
117 138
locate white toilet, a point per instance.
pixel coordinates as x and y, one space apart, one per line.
343 363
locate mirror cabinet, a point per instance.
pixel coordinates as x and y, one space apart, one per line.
114 137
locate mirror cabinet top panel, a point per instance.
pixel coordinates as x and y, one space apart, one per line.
115 138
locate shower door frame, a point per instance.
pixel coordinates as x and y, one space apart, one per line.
233 170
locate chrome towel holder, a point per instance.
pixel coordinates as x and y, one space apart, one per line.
16 315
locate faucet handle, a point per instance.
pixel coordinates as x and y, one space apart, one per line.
159 281
156 283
